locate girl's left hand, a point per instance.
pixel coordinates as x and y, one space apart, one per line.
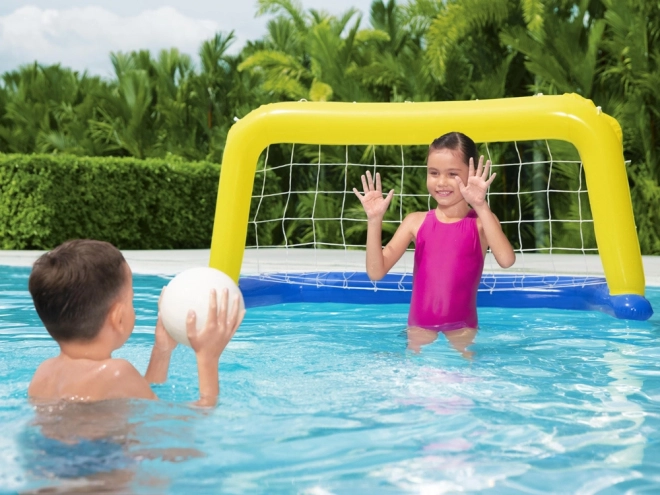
477 185
162 340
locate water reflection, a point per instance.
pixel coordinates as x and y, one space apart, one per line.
459 339
97 447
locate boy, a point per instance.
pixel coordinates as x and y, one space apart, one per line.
83 293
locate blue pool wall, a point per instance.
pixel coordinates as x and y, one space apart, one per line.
507 291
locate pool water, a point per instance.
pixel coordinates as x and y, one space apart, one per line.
326 399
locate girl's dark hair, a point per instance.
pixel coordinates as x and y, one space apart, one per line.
74 285
456 141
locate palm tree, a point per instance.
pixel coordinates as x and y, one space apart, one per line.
224 92
311 55
177 114
632 80
395 68
45 108
124 124
563 54
464 50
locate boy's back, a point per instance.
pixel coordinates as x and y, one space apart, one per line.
63 378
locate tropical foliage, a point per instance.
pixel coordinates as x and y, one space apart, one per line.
165 105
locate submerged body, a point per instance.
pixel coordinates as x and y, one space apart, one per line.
448 264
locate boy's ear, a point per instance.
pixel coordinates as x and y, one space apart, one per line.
115 315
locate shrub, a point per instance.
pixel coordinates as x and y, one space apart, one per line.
134 204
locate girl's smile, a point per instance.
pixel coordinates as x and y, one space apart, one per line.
443 167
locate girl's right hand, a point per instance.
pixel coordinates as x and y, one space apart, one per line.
372 200
220 327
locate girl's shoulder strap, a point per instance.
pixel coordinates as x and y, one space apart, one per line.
472 214
424 218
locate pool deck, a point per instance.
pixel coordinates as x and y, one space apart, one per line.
278 260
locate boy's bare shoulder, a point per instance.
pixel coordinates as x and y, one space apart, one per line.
83 379
41 378
121 379
117 369
44 368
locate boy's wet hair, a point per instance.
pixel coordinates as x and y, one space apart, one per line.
456 141
74 285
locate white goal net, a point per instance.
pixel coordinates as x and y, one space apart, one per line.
305 218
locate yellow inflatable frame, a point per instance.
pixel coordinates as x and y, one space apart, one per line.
568 117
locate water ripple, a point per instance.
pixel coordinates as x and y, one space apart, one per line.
326 399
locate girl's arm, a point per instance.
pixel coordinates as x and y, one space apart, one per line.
379 260
475 194
384 259
495 238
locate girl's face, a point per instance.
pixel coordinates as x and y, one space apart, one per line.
443 166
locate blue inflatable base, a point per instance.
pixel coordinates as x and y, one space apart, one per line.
505 291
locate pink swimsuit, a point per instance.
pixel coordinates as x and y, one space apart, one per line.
448 266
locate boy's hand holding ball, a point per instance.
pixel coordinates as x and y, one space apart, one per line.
202 308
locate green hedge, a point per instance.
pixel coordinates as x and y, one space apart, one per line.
134 204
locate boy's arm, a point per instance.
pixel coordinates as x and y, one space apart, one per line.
210 342
209 381
160 355
161 352
159 363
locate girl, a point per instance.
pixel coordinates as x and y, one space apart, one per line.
450 242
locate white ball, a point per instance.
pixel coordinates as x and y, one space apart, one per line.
190 290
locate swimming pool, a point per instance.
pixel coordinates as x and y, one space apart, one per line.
325 398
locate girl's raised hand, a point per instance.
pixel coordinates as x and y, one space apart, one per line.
372 200
477 185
